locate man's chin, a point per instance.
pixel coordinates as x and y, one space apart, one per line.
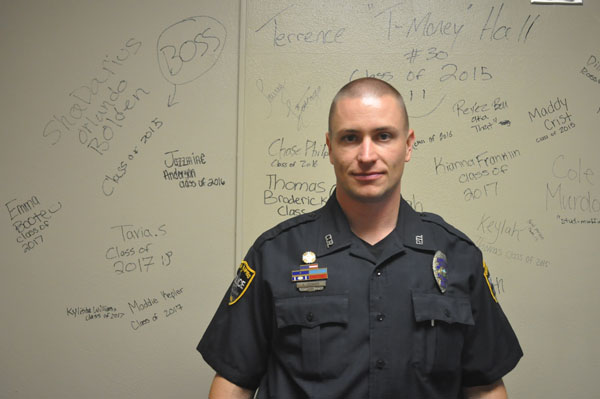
371 197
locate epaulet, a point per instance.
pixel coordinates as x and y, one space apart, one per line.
286 225
438 220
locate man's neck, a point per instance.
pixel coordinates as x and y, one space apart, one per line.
371 221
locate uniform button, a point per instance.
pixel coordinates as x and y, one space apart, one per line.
447 312
378 273
380 317
380 364
310 316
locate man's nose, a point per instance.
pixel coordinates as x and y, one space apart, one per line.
366 152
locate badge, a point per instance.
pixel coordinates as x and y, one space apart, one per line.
440 270
241 282
310 277
488 280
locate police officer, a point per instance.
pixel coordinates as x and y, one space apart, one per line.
364 298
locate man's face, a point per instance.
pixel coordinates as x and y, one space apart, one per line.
368 146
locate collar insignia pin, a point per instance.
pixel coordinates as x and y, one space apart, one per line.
329 240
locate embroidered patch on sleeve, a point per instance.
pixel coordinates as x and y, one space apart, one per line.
488 280
241 282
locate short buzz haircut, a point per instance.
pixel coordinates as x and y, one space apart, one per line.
363 87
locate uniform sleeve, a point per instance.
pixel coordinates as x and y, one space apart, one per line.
491 346
235 344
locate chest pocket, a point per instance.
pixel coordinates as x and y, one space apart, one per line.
442 321
311 334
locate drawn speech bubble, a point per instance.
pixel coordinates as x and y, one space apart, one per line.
189 48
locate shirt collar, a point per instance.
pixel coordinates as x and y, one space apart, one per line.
335 234
334 229
412 230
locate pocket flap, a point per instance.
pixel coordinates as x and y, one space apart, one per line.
442 307
311 311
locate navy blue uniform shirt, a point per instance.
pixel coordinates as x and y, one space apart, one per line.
380 328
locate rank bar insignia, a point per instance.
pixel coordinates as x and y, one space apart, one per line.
309 272
440 270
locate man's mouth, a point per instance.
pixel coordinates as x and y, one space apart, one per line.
367 176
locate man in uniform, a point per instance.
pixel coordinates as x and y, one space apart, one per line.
364 298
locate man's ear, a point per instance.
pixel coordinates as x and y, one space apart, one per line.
410 139
328 142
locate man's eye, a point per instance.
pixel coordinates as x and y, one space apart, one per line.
385 136
349 138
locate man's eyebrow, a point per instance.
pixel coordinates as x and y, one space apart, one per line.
385 128
346 131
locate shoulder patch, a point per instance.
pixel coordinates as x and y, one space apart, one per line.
244 276
488 280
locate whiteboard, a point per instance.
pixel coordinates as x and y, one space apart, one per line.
505 103
118 152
